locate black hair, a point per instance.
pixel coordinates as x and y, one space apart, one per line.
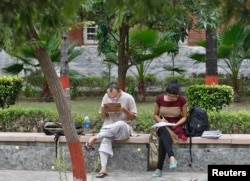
173 87
113 85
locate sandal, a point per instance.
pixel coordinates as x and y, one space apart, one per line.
88 147
101 175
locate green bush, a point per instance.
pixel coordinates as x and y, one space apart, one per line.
10 87
31 120
230 122
143 122
209 97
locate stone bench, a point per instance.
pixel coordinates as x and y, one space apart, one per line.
228 149
36 151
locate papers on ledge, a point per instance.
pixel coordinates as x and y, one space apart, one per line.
211 134
161 124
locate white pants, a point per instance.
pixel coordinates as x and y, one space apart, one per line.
118 130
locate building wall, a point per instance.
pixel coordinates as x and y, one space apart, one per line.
76 34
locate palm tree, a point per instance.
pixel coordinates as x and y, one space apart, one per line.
145 46
233 48
208 19
116 18
27 62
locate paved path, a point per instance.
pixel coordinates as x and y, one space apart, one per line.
117 175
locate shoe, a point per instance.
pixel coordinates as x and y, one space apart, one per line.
101 175
157 174
173 164
88 147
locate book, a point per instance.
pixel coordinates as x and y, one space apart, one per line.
213 134
112 107
161 124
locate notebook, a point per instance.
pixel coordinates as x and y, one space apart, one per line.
112 107
211 134
161 124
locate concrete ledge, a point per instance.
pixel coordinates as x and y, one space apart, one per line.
36 151
138 139
41 137
224 139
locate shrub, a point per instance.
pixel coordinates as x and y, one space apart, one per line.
212 97
31 120
10 88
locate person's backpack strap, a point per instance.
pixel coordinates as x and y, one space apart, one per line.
55 128
190 151
190 133
56 139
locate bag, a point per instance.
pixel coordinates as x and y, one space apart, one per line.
55 128
197 122
154 143
174 136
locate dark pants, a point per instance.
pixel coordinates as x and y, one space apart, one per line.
165 146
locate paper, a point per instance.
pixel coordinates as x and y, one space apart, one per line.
161 124
211 134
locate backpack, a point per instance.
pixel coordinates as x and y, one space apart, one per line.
55 128
197 122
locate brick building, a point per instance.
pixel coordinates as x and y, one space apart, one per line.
85 35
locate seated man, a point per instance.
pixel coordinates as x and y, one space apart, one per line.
116 126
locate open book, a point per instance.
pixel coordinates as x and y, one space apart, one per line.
211 134
161 124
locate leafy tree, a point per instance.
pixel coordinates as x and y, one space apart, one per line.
236 10
145 45
24 23
26 60
207 18
116 18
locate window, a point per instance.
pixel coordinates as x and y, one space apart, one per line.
89 34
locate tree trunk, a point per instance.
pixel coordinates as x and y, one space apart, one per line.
64 68
211 58
141 91
123 57
236 89
63 108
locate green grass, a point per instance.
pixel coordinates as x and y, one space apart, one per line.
87 105
92 105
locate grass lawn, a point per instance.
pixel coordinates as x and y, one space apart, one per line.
92 105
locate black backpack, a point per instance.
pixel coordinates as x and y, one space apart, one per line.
55 128
197 122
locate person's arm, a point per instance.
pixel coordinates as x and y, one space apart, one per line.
131 116
156 115
184 116
102 111
104 114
